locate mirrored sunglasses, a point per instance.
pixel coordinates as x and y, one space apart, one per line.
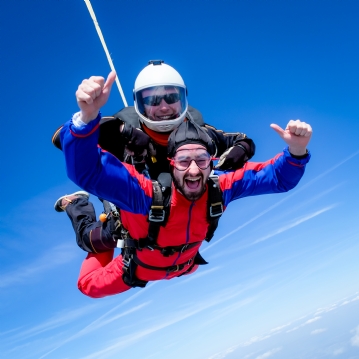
170 98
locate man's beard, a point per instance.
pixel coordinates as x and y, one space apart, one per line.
189 196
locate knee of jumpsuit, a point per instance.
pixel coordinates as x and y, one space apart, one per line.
101 276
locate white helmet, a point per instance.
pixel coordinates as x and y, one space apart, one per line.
157 82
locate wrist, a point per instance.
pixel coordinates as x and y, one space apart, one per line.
88 117
298 154
298 151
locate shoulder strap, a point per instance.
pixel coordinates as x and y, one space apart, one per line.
159 209
214 205
156 216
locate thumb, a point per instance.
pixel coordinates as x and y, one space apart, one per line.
109 82
278 129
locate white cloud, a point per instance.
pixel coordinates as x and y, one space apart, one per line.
94 326
311 320
198 274
278 329
288 196
31 271
338 351
355 339
60 319
292 330
326 310
223 354
318 331
111 349
268 353
293 224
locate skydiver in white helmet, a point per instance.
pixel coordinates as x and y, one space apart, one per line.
138 135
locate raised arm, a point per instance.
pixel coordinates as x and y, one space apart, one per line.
280 174
92 168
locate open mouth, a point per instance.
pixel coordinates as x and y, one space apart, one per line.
193 183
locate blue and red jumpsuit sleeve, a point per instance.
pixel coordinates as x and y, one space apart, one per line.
280 174
101 173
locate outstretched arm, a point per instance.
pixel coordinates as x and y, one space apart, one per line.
280 174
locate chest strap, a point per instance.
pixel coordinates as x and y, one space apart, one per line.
160 210
165 251
156 216
169 269
214 207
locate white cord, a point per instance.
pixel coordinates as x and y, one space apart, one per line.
97 26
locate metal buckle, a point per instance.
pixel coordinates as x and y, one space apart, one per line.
216 214
156 217
184 248
126 262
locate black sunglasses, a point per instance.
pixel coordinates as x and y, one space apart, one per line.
170 98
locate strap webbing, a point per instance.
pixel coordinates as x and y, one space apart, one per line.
169 269
156 217
215 205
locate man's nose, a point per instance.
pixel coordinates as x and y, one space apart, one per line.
164 105
193 169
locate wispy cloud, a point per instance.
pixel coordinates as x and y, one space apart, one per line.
293 224
94 326
338 351
310 321
326 309
280 230
174 317
269 353
31 271
278 329
222 355
355 339
288 196
318 331
259 338
197 275
60 319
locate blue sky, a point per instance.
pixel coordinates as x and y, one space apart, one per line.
282 279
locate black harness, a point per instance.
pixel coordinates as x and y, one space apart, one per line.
158 215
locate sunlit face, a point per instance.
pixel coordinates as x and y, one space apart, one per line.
192 181
163 111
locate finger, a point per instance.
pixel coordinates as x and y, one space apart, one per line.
97 79
278 129
90 88
97 83
83 96
109 81
292 126
309 131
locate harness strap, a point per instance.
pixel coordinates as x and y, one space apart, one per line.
215 206
169 269
156 216
165 251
